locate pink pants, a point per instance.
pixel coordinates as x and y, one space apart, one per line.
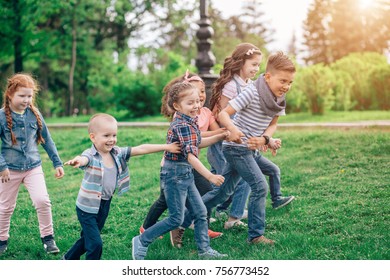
36 186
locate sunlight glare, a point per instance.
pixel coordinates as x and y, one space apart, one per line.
365 3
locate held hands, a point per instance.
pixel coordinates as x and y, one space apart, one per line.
174 148
76 162
235 136
223 133
59 172
273 145
5 176
216 179
255 143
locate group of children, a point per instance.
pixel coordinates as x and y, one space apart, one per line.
239 126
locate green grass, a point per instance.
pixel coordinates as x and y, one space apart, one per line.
289 118
340 178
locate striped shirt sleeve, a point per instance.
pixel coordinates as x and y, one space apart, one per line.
244 99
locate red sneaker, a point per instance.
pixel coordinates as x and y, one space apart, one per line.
214 234
141 231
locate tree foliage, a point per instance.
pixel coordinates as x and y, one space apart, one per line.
333 29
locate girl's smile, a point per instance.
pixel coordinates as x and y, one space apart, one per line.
189 104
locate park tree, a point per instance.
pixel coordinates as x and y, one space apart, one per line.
250 26
255 23
333 29
24 26
357 28
316 33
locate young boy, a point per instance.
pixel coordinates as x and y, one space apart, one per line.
257 110
106 171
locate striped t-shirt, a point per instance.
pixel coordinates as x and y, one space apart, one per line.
250 119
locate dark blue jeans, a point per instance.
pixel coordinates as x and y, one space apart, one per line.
177 181
160 205
90 241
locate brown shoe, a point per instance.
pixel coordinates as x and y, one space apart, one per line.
177 237
262 240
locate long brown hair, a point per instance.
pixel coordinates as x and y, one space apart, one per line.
232 65
13 84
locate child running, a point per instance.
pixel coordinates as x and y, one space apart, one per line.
208 127
176 177
106 171
22 129
236 75
257 109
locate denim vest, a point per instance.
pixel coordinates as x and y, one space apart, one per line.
90 193
24 155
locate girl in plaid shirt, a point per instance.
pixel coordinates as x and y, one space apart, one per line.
176 177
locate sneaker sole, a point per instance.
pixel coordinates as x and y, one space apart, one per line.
132 248
53 252
214 237
287 202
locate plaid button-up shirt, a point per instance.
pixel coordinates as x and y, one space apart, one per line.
185 130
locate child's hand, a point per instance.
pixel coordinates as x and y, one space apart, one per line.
221 130
264 148
174 148
235 136
255 143
5 176
76 162
59 172
275 143
216 179
273 151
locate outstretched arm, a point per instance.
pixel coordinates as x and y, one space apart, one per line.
78 161
198 166
154 148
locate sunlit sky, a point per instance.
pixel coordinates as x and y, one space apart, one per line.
284 16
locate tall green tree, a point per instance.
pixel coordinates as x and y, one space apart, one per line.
20 36
355 28
333 29
316 33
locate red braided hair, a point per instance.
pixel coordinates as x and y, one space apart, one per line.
13 84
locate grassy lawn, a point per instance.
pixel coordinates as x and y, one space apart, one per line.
340 178
289 118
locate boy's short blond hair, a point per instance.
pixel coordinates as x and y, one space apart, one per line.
279 62
98 118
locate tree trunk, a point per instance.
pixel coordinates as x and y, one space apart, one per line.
18 63
73 63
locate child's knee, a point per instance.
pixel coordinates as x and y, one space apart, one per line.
43 202
176 221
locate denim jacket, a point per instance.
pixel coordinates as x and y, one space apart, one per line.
90 193
24 155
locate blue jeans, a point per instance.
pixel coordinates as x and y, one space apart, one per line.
90 241
272 170
242 162
177 181
160 205
238 200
